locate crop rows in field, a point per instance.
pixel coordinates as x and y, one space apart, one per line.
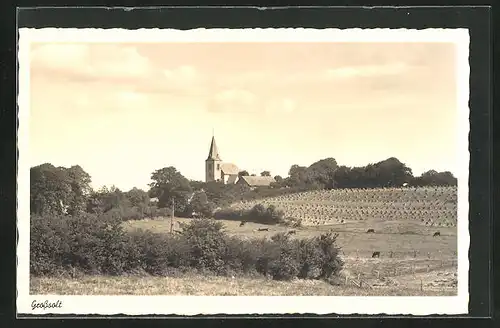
431 206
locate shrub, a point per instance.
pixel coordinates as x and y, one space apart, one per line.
331 263
240 256
310 259
85 242
98 245
48 243
206 241
259 213
157 253
285 266
267 252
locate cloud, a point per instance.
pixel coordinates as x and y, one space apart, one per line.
244 79
283 105
233 100
89 61
59 56
129 99
366 71
125 62
182 80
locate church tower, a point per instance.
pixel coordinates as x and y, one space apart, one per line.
213 163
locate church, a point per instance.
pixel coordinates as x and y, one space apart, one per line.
227 173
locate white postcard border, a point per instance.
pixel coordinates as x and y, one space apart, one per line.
193 305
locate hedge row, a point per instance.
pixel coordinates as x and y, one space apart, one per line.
258 213
93 245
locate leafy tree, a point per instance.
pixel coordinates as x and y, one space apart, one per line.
297 176
197 185
243 173
434 178
265 174
138 199
107 199
322 173
59 190
222 195
170 185
50 190
79 182
388 173
392 173
343 177
199 204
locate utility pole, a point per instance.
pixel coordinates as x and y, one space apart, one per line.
172 217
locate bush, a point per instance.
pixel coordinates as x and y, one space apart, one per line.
206 241
99 245
259 213
92 245
240 256
285 265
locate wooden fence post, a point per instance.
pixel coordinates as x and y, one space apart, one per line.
421 285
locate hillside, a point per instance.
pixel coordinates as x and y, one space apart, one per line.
429 206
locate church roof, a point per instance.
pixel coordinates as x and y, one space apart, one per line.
214 151
229 169
255 181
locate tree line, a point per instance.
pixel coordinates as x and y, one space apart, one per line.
68 191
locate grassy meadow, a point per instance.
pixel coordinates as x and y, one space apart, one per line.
409 254
411 260
200 285
412 263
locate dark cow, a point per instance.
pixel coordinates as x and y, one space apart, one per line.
437 233
292 232
376 254
370 231
242 223
263 229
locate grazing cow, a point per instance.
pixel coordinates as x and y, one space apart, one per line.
437 233
376 254
292 232
263 229
242 223
370 231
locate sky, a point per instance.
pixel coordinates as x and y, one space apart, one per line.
123 110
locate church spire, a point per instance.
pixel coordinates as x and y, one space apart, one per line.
214 151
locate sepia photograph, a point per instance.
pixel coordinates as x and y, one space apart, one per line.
238 171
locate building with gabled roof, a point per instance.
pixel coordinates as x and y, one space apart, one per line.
256 181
